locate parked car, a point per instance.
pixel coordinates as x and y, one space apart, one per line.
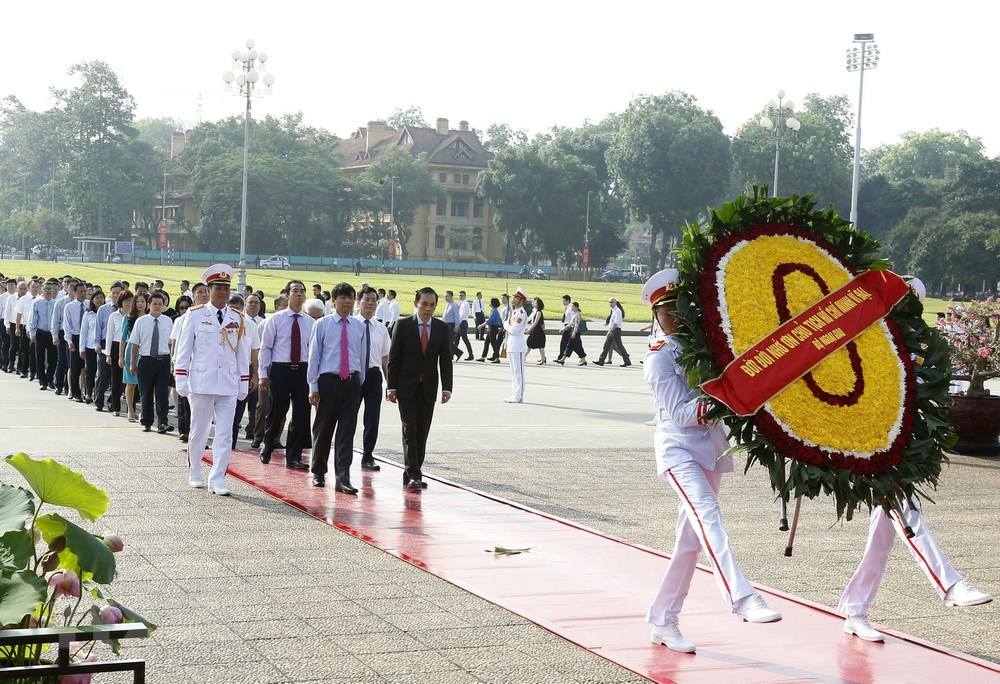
278 262
618 275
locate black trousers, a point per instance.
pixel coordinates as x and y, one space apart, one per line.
337 412
103 378
287 386
4 344
154 385
183 415
90 374
575 345
371 395
480 318
461 335
25 361
15 348
613 341
416 414
75 366
493 336
62 362
45 358
115 400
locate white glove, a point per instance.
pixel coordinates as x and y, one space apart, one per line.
181 385
241 396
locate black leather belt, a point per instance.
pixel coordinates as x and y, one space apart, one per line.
352 376
161 357
302 365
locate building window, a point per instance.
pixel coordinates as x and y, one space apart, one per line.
442 207
442 177
439 237
477 208
460 205
477 239
457 178
465 179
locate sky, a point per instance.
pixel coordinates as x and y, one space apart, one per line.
532 65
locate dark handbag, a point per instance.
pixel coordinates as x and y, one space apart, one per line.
582 328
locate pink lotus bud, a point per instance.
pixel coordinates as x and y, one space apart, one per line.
50 561
58 544
113 542
111 615
65 583
79 678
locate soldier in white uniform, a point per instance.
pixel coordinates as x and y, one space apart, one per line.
212 368
689 455
517 345
860 592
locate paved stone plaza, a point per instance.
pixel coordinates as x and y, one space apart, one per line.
248 589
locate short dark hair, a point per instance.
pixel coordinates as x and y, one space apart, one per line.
366 291
198 286
79 285
288 286
117 283
566 298
447 292
122 296
156 295
183 299
392 292
419 294
494 302
236 299
186 282
344 289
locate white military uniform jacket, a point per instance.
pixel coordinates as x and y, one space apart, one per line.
681 434
213 357
515 325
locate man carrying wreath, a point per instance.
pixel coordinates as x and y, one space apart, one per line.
690 456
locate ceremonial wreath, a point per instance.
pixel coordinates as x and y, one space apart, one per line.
814 354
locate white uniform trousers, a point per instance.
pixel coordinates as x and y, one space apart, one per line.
203 408
882 531
699 526
516 362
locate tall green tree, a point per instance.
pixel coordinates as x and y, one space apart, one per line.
411 116
817 161
512 182
672 159
157 132
412 188
933 154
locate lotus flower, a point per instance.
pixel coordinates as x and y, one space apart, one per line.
79 678
113 542
65 583
111 615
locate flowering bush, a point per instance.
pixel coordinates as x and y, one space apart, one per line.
974 337
49 565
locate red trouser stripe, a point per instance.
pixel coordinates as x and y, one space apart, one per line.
916 551
704 537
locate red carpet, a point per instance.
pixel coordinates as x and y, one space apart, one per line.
593 589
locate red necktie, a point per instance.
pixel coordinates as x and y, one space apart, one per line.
345 353
296 351
423 337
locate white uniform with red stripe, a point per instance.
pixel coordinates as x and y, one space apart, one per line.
212 369
517 347
689 455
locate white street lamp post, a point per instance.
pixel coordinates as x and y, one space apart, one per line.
858 60
783 119
250 64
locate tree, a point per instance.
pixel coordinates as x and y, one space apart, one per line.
512 182
411 116
933 154
413 188
672 160
882 203
974 186
818 161
157 132
501 136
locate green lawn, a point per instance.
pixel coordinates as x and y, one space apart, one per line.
593 297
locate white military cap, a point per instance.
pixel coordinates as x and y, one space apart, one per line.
217 273
917 285
519 292
661 287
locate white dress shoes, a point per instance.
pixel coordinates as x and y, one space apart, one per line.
753 609
512 400
221 491
963 593
653 422
859 626
670 636
196 484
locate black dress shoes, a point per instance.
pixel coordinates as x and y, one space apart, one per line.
470 357
164 429
296 465
265 457
278 445
255 444
370 465
598 363
147 428
416 484
345 487
319 481
626 364
184 437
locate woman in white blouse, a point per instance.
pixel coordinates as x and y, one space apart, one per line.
89 344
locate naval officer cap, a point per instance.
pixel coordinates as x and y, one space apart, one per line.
218 274
661 287
519 292
917 285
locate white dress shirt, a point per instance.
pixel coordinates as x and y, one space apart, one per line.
8 311
88 331
23 308
616 318
379 346
478 306
114 331
464 309
392 313
142 333
380 309
276 340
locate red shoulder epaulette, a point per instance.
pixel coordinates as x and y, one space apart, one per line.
657 345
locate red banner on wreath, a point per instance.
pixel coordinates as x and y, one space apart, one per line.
801 343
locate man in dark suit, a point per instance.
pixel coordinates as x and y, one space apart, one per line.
421 344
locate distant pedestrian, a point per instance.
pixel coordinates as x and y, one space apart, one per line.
613 340
536 329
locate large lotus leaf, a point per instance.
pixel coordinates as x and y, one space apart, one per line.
20 593
16 549
56 484
84 553
16 506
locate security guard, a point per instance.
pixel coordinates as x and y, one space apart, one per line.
689 455
517 345
212 369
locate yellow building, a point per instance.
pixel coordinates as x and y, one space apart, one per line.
460 228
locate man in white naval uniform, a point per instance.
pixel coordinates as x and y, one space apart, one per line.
883 528
689 455
212 369
517 346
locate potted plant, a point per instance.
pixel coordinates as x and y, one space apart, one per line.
973 335
54 572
